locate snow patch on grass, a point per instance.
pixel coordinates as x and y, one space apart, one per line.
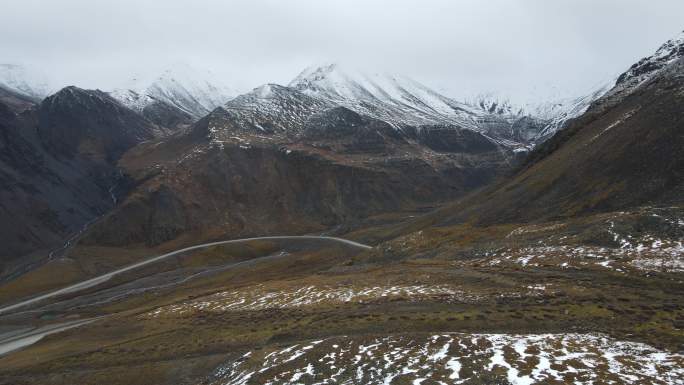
456 358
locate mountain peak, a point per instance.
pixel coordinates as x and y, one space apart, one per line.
336 81
312 76
667 53
91 123
314 73
672 47
73 94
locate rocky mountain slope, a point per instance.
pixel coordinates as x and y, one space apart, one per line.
648 67
273 110
58 168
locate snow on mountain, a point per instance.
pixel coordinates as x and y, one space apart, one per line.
672 50
192 91
495 104
397 100
269 109
557 113
553 115
24 80
401 101
548 117
646 68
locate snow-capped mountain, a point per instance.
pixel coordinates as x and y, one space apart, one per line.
546 117
270 111
557 113
272 108
402 101
192 91
397 100
25 80
646 68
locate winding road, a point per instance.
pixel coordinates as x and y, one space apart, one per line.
105 277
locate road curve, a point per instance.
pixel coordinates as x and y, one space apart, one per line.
105 277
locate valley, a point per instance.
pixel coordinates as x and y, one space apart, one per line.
348 228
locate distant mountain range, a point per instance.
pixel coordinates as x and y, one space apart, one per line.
181 95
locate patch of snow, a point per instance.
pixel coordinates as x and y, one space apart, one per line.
523 359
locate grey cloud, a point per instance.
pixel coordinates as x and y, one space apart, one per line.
528 49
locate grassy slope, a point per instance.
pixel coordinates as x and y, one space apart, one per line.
182 347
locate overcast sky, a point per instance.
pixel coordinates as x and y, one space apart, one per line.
525 49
